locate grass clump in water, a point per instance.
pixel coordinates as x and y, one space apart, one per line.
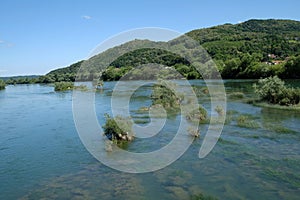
279 129
246 122
197 115
236 95
202 197
220 110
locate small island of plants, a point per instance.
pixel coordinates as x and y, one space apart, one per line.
64 86
118 129
273 91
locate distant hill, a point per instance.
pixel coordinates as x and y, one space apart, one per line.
252 49
19 77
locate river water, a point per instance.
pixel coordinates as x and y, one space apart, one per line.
41 155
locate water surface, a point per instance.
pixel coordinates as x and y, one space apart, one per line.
41 155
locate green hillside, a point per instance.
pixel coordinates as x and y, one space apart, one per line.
252 49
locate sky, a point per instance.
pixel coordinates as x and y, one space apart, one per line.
37 36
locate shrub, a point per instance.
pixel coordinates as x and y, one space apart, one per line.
196 115
273 90
163 94
118 128
63 86
194 133
220 110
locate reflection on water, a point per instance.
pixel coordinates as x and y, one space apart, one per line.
42 156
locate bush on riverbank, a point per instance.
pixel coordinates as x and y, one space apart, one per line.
273 90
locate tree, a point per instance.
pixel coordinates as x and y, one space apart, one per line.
2 85
292 68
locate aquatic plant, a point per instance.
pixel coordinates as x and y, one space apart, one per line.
220 110
201 196
163 94
246 122
231 112
196 115
279 129
236 95
98 84
194 133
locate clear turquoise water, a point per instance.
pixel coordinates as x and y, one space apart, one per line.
41 155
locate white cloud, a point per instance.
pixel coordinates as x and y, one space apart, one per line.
87 17
6 44
10 45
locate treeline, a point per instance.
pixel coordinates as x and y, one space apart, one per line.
41 79
246 66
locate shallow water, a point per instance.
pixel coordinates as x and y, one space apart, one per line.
41 155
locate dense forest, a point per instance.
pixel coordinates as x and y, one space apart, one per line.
252 49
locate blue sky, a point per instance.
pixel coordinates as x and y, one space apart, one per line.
37 36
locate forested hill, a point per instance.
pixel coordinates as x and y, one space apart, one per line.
252 49
278 37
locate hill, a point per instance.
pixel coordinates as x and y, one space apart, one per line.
252 49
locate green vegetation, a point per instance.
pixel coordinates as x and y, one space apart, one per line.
194 132
220 110
276 106
114 74
202 197
164 94
283 176
118 129
197 115
2 85
253 49
63 86
67 74
274 91
31 79
246 122
279 129
236 95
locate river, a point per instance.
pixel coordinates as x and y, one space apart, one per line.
41 155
